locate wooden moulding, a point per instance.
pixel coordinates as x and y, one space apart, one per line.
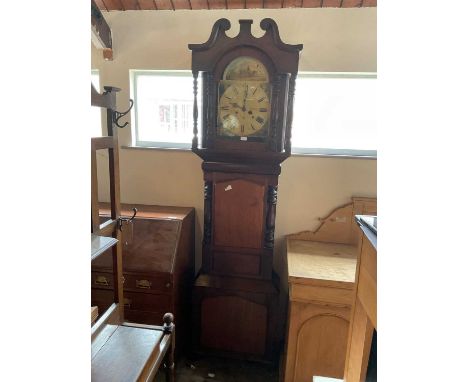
338 226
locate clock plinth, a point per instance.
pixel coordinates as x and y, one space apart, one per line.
247 102
236 317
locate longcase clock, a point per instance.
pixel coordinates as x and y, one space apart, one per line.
247 92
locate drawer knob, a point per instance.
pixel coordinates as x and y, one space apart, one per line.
143 284
168 285
101 280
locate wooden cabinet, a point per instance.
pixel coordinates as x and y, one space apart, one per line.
321 277
321 281
363 326
158 268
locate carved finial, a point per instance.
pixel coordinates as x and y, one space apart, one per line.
245 27
168 320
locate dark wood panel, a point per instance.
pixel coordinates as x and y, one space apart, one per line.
146 4
163 4
147 301
231 228
234 324
236 264
145 317
369 3
103 299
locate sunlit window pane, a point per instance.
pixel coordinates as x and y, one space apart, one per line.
164 108
334 112
96 129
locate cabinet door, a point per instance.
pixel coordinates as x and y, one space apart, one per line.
239 213
316 341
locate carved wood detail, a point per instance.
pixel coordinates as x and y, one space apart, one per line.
272 199
207 216
195 110
291 91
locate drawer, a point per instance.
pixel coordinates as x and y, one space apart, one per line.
144 317
327 295
102 280
148 284
147 301
101 298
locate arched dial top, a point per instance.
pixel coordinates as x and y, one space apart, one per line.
244 99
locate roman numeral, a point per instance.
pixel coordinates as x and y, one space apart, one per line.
254 91
260 120
224 107
263 110
252 126
242 128
227 97
261 99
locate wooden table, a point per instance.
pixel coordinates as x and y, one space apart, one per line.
364 314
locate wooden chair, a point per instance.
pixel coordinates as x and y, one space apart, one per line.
121 351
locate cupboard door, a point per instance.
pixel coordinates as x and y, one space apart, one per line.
238 213
316 341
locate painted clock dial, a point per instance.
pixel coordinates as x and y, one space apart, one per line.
244 99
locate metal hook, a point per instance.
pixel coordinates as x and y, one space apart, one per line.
127 220
117 115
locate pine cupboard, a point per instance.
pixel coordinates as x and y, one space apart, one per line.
321 282
321 278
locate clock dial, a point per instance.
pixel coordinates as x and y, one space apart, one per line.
244 99
243 108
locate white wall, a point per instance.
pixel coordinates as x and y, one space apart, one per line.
334 40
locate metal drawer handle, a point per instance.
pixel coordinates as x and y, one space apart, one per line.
101 280
143 284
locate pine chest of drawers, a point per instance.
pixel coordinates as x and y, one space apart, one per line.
158 267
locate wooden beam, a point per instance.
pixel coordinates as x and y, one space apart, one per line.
163 5
101 35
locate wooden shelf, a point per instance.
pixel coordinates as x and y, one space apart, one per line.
127 355
99 244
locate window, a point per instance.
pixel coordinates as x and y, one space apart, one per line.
95 126
163 110
335 114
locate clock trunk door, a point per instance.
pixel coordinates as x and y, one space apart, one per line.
238 213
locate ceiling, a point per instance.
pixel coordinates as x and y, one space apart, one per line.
126 5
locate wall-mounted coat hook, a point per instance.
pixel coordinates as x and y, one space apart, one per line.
117 115
127 220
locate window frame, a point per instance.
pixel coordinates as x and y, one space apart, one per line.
330 152
295 151
134 91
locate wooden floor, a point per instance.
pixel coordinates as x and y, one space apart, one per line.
224 370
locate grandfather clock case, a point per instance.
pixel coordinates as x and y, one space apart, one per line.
247 92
